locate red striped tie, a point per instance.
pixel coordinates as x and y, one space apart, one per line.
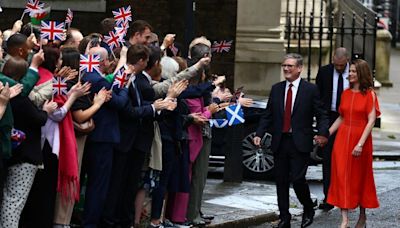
288 110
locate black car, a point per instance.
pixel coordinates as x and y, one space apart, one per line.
258 162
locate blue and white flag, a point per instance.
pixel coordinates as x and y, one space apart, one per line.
218 123
234 114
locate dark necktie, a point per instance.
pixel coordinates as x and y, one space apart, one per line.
339 91
288 110
137 92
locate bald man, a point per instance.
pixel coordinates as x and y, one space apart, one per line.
74 37
332 81
98 156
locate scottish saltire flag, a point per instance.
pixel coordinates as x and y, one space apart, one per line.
33 5
89 63
218 123
122 14
113 40
120 78
70 16
52 30
221 46
60 86
235 115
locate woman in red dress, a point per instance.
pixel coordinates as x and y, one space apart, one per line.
352 180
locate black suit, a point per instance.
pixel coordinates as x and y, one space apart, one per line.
324 82
120 198
291 150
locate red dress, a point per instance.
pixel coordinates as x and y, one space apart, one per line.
352 179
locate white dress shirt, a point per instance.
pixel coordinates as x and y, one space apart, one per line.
295 87
346 84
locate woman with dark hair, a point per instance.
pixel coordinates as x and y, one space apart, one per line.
352 180
82 111
43 88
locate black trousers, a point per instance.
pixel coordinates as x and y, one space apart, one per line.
291 166
327 157
97 164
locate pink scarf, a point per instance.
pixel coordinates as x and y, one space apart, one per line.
68 179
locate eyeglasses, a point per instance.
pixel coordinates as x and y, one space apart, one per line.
287 65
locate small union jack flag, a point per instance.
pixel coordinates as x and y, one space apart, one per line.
122 14
89 63
70 16
222 46
121 78
52 30
121 29
33 5
60 86
113 40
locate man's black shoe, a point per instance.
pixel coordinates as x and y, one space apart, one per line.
308 218
325 206
283 224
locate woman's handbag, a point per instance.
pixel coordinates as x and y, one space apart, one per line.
84 128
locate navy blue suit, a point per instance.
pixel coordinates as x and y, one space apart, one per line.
98 156
121 194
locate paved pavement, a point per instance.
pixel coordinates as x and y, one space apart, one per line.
251 203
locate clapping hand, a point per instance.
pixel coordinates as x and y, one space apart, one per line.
4 93
177 88
198 119
15 90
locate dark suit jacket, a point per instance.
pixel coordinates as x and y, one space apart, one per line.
147 128
131 118
306 106
29 119
324 82
106 118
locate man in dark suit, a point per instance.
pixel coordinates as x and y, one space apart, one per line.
97 159
292 105
331 81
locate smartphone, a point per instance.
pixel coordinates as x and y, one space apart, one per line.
236 94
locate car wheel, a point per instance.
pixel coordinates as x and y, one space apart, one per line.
257 161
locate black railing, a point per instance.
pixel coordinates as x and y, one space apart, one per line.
355 31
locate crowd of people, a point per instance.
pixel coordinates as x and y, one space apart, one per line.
148 136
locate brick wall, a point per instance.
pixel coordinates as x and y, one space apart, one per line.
215 19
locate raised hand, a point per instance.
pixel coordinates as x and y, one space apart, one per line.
199 119
168 40
49 106
177 88
245 102
4 93
37 59
15 90
101 97
79 90
213 108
